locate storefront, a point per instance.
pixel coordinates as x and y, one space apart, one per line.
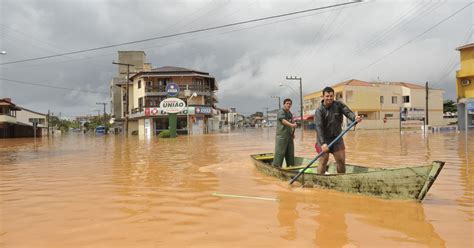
191 120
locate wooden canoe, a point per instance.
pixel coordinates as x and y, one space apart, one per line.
405 183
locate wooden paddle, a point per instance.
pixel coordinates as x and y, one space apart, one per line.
321 153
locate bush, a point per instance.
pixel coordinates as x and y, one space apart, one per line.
164 134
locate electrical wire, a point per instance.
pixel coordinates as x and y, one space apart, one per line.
54 87
181 33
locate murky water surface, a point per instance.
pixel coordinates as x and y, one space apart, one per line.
109 191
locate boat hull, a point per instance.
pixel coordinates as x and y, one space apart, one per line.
407 183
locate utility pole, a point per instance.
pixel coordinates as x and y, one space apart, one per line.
127 98
279 101
48 120
102 103
426 111
301 101
266 108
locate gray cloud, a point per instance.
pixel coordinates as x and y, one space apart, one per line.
248 61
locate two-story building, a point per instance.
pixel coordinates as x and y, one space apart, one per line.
148 89
272 117
129 62
16 121
465 87
384 104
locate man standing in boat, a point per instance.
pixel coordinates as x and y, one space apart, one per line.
284 147
328 119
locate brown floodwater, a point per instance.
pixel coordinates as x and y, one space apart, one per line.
109 191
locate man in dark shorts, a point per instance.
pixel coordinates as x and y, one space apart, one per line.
328 119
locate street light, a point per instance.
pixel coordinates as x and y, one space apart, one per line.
3 52
294 91
301 100
279 102
187 103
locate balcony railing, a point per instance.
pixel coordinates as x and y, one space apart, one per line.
137 110
155 88
193 88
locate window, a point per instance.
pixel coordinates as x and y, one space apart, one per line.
139 84
406 99
140 102
381 99
394 99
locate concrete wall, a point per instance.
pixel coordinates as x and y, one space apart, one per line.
363 98
25 115
462 117
138 92
116 100
466 72
136 58
141 127
132 126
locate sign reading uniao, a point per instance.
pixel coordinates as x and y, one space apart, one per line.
172 105
172 89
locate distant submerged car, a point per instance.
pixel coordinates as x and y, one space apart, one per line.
100 130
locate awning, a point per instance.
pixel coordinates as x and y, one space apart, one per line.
305 117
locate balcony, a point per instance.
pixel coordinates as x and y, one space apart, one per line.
155 89
137 110
201 90
7 119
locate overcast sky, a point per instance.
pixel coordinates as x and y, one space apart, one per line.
410 41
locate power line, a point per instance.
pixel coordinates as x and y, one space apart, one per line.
412 21
414 38
54 87
190 39
453 63
181 33
394 28
406 18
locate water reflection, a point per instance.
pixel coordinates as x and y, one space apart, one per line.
287 215
79 191
340 220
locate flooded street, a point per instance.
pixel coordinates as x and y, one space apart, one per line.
110 191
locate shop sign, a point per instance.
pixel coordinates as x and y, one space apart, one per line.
203 110
470 106
161 112
172 89
172 105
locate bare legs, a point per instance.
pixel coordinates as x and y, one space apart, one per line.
339 156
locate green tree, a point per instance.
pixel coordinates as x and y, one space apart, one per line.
449 106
